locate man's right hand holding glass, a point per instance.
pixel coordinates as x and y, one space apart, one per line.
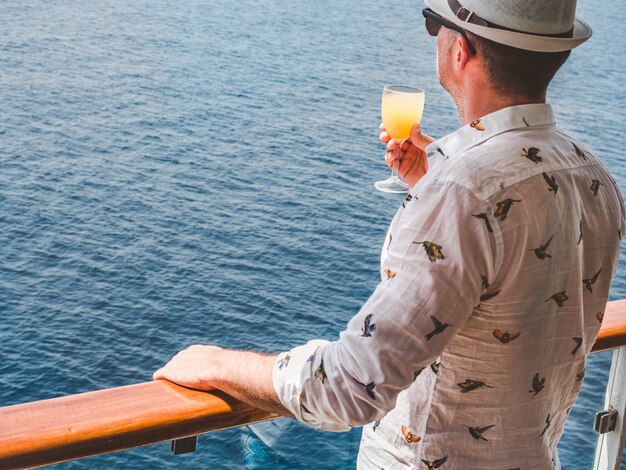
413 160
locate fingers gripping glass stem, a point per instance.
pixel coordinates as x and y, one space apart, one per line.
393 184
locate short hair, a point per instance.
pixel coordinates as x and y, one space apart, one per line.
518 72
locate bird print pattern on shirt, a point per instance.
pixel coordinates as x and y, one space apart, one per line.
439 328
559 298
532 154
579 151
368 327
538 385
407 199
433 251
390 274
435 367
409 436
376 424
588 283
552 184
595 186
483 216
469 385
369 388
320 373
503 207
477 125
478 433
433 464
506 336
541 252
284 362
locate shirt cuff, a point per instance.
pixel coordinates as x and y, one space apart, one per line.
292 370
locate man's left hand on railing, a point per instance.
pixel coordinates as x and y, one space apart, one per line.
196 367
245 375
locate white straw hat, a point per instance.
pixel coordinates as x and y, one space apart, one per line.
534 25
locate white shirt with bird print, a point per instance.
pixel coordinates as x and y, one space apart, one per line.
495 274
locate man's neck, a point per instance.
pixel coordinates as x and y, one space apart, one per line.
480 101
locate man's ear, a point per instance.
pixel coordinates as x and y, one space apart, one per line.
462 53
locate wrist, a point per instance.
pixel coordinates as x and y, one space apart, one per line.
221 373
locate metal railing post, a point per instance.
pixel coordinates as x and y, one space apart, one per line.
611 444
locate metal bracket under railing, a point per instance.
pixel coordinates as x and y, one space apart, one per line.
184 445
606 421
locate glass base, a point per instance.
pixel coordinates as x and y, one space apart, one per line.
392 185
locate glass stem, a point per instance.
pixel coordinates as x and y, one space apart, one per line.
396 162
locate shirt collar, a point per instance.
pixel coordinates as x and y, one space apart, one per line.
483 129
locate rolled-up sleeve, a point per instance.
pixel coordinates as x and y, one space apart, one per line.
438 262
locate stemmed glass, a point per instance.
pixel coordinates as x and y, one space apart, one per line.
401 109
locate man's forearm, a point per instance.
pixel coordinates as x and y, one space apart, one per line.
245 375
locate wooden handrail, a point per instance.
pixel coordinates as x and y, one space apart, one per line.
72 427
613 331
77 426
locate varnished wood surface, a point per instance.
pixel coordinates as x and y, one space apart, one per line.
76 426
613 331
72 427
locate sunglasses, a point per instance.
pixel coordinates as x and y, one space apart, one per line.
434 22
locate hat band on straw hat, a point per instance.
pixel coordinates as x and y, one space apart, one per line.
469 16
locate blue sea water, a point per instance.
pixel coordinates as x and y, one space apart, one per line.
201 171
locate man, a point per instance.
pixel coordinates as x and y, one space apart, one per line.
494 276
